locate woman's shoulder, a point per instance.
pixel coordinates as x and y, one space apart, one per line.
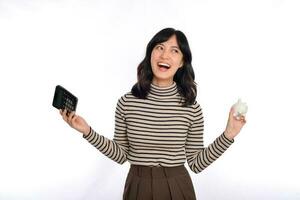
127 96
196 106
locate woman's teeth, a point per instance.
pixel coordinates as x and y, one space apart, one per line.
164 65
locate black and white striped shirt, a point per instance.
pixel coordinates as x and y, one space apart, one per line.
158 131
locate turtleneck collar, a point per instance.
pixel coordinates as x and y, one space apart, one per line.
163 92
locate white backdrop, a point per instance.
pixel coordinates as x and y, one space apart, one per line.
247 49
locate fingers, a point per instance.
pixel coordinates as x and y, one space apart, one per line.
231 113
71 115
63 113
242 119
67 117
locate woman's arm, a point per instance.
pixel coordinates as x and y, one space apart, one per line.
116 149
200 157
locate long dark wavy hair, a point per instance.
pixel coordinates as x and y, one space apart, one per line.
184 77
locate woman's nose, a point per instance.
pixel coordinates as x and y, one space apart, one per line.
164 54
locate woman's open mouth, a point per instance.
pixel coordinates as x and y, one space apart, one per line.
163 66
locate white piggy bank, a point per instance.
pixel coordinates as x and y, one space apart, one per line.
240 109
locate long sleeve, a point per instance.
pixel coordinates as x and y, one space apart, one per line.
116 149
198 156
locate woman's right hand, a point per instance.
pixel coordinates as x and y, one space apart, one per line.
75 121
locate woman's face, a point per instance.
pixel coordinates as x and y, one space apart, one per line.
166 58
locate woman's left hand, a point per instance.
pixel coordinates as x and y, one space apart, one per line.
234 125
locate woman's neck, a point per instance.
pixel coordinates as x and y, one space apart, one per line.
162 83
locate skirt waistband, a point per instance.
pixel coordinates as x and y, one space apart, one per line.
157 172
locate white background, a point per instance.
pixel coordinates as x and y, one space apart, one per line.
247 49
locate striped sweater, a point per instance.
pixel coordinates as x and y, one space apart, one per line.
158 131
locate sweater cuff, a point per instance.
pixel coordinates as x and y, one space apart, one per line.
227 140
90 134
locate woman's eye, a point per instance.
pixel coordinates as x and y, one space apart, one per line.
175 51
159 47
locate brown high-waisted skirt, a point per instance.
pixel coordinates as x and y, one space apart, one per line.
158 183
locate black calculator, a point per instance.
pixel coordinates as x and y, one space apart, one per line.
63 99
